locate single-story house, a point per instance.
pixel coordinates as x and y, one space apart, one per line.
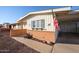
40 24
18 28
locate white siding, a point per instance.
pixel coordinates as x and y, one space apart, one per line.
16 27
24 26
48 20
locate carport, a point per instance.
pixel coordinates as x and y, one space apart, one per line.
69 27
68 21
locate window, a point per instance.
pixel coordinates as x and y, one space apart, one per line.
38 24
42 23
33 24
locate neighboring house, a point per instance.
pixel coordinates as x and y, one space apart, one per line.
6 25
41 25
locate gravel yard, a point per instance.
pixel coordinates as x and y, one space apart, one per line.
9 45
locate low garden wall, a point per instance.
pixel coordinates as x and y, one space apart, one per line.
43 35
18 32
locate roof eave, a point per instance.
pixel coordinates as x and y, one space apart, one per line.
45 11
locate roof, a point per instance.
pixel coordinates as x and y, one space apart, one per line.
74 12
45 11
18 23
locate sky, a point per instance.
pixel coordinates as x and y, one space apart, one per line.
9 14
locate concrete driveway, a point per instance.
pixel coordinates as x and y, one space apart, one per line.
67 43
65 48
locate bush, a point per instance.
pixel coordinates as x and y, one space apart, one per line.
29 36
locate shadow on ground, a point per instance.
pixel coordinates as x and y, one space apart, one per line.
68 38
9 45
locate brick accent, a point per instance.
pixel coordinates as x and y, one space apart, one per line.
43 35
18 32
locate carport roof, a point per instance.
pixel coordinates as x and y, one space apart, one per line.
68 15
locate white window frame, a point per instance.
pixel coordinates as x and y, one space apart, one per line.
38 24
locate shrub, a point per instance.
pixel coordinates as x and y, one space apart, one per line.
29 36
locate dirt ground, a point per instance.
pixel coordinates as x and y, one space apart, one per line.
9 45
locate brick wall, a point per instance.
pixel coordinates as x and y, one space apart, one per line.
18 32
43 35
40 35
